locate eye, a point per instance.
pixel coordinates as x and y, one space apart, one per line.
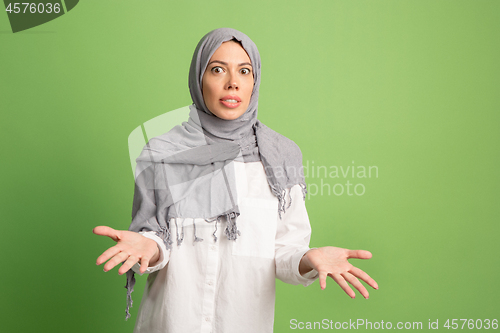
217 70
245 71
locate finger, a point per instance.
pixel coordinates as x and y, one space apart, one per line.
106 255
363 276
322 279
107 231
120 257
358 254
341 282
144 264
131 261
356 284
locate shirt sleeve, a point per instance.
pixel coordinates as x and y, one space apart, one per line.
293 234
164 254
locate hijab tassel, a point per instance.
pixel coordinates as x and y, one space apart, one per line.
282 202
304 190
164 234
130 288
289 198
215 231
231 231
196 238
179 239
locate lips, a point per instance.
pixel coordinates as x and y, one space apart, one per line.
231 101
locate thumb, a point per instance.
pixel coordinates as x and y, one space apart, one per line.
107 231
359 254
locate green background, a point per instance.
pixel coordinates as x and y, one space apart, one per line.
408 86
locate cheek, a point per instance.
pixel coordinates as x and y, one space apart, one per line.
207 93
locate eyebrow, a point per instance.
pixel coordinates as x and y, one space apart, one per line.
225 63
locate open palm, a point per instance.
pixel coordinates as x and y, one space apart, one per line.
332 261
131 248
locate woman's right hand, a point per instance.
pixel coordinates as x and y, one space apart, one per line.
131 248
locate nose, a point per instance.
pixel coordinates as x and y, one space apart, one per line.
232 82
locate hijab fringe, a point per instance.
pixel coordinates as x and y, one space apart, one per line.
231 231
215 230
216 220
281 195
179 239
304 190
289 198
195 238
130 288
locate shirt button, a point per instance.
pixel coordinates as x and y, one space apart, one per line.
207 318
213 247
210 283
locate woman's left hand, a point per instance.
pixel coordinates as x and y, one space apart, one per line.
332 261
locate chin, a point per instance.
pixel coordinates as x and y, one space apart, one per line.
232 117
228 115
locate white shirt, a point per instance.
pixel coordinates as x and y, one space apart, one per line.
228 286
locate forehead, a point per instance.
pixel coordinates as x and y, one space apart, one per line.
230 52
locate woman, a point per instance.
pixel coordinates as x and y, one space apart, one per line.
219 209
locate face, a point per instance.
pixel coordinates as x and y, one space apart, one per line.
227 83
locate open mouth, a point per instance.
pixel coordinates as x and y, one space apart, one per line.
231 101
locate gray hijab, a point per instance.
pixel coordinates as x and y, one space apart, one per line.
188 172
